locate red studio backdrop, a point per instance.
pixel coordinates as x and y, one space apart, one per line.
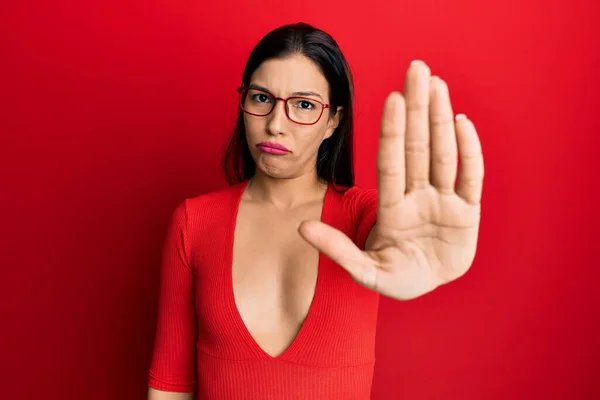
112 112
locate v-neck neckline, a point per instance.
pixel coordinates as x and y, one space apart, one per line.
295 348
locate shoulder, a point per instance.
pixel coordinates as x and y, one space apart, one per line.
355 198
217 200
211 206
355 210
356 192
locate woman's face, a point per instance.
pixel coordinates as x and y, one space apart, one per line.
292 76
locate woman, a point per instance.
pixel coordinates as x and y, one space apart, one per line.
288 309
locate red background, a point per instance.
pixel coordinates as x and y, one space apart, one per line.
113 112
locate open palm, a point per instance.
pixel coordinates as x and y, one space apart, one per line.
427 221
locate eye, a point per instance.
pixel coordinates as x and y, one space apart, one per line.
260 98
304 105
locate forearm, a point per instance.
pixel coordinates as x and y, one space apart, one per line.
154 394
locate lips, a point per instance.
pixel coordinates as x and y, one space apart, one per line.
273 148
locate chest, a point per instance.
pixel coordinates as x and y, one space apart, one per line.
262 292
268 251
274 273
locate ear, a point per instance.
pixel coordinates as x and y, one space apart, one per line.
333 123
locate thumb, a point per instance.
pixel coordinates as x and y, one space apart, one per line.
340 249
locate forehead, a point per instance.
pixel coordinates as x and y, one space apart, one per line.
291 74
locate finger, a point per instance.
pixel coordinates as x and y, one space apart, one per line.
416 94
341 250
470 175
391 167
444 152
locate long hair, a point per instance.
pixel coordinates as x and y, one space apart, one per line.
334 160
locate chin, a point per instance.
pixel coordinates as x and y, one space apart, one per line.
277 169
272 170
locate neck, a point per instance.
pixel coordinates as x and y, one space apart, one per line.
286 193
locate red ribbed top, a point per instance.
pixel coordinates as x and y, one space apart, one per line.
202 344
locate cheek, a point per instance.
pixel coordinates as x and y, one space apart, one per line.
313 136
254 128
308 142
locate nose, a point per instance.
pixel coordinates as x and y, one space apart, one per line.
277 118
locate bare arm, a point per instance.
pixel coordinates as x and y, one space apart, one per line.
154 394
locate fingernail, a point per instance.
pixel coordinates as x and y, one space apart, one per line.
460 116
415 62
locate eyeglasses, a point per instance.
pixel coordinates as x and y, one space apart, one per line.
301 110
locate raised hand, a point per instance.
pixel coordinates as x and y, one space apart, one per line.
427 221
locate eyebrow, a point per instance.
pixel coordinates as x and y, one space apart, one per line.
309 93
